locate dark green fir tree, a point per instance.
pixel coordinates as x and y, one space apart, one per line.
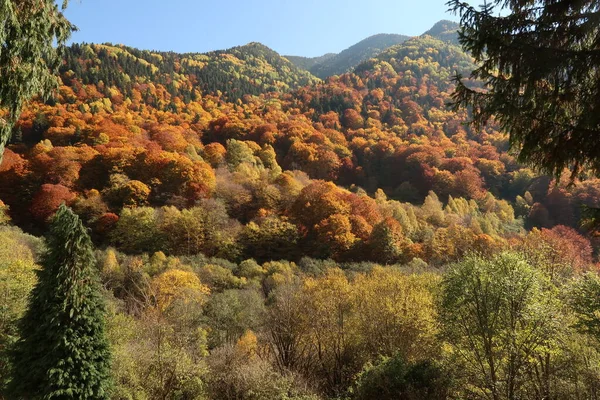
539 63
62 352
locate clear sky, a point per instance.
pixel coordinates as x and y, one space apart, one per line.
290 27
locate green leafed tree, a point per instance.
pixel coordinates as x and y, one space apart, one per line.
585 301
394 378
62 352
32 33
539 62
501 319
17 278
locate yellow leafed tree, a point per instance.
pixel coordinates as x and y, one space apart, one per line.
175 285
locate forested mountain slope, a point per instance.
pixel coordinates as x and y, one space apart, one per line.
125 134
334 64
355 54
444 30
308 62
245 70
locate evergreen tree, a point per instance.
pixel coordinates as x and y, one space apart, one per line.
62 352
539 62
32 35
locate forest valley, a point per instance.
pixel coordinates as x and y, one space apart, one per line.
261 233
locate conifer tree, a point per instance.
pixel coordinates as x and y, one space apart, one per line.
62 352
32 37
539 62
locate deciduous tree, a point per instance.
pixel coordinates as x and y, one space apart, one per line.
500 317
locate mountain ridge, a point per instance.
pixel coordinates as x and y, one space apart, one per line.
355 54
308 62
444 30
334 64
251 69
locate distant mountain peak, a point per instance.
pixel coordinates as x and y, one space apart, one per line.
442 26
255 48
355 54
258 45
444 30
335 64
382 35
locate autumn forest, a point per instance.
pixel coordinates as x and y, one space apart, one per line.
271 227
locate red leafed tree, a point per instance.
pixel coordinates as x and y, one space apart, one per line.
568 246
352 119
48 198
560 251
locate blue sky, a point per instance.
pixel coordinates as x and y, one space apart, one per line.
290 27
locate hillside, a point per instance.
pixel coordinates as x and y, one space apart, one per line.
355 54
260 233
307 63
147 140
245 70
444 30
335 64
